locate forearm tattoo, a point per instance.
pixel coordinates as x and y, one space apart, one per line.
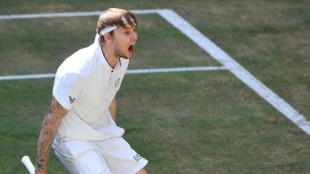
48 131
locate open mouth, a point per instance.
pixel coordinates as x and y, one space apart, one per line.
131 48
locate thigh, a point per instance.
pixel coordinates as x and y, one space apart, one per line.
92 162
85 160
121 158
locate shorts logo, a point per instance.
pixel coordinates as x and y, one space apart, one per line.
137 157
71 99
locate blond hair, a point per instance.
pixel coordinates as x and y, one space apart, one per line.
115 17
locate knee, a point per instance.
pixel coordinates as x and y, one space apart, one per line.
142 171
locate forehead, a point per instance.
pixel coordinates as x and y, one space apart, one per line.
128 26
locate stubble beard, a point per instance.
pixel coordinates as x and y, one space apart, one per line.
120 54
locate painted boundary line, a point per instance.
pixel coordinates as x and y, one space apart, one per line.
68 14
216 52
235 68
28 76
133 71
183 69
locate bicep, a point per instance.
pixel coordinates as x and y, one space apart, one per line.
52 119
56 110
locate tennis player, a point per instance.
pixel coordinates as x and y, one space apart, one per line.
80 124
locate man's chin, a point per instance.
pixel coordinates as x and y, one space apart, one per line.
127 56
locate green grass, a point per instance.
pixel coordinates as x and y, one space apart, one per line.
189 122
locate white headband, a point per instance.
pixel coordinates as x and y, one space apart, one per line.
107 30
110 28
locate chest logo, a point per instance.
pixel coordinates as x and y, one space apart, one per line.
117 82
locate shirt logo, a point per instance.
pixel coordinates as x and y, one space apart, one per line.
117 82
71 100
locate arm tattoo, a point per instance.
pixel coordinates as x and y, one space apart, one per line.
48 131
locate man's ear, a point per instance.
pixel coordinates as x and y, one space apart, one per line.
107 37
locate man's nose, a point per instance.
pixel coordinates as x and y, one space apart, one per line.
135 36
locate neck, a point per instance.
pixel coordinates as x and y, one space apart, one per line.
109 54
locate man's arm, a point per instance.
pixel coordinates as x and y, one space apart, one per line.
48 131
112 109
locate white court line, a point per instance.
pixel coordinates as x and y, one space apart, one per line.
68 14
235 68
216 52
28 76
133 71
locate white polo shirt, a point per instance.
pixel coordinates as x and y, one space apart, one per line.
85 84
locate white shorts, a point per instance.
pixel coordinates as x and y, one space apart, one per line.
112 156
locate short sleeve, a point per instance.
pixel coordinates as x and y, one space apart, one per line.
68 88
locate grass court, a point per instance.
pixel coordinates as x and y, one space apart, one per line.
182 122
